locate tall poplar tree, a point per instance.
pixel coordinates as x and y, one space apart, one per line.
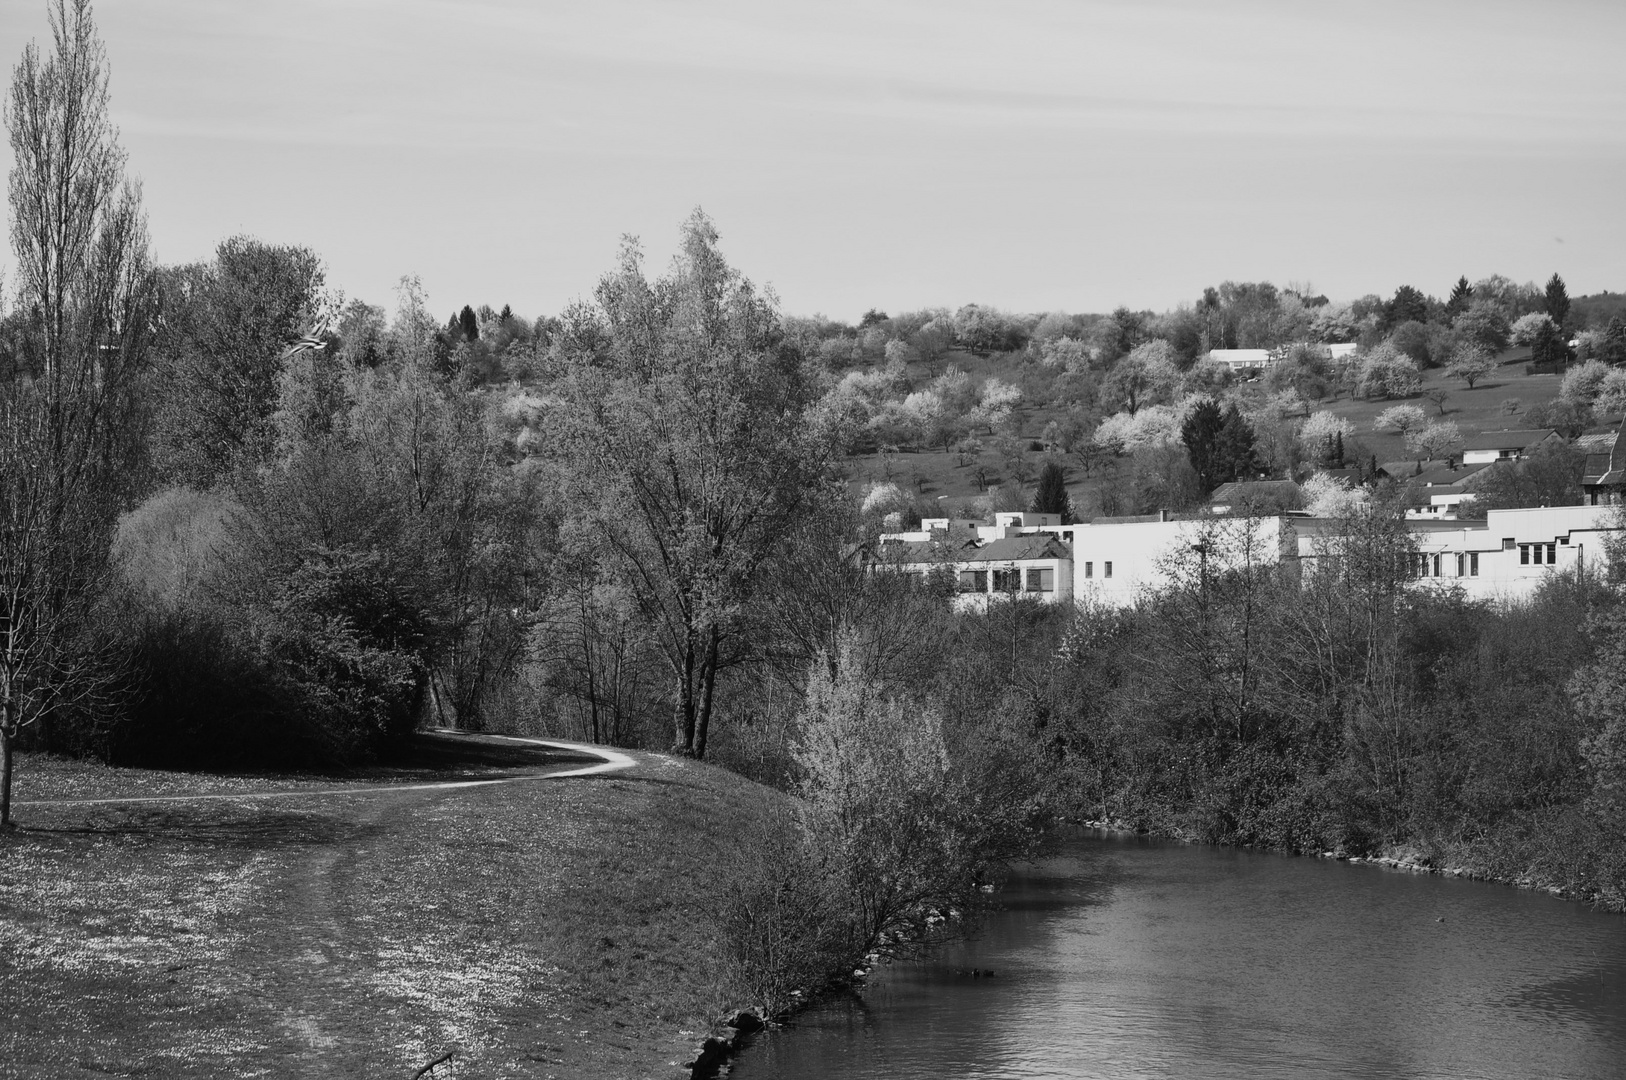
80 240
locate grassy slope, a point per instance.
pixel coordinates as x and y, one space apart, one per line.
565 928
1474 411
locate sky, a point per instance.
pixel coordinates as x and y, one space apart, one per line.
1034 155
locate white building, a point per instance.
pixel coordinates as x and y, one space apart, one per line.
1240 359
1510 445
1112 562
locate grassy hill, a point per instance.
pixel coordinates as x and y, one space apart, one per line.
1496 402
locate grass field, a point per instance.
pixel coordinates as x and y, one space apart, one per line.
934 473
564 928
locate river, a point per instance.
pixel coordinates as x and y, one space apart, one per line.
1121 957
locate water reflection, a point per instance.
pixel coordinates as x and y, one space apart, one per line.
1124 958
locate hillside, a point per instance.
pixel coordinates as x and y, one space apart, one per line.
568 927
1496 402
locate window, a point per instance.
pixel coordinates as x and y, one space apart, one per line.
973 581
1437 564
1089 569
1524 554
1507 545
1041 579
1007 580
1473 564
1106 569
1552 554
1462 563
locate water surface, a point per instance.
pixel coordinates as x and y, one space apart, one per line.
1129 958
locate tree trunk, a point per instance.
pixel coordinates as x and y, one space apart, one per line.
708 679
5 774
683 718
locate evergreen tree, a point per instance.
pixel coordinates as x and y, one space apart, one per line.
506 316
1613 349
469 324
1235 456
1462 294
1407 305
1051 496
1558 300
1200 434
1338 449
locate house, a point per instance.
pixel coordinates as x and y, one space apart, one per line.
1439 490
1035 565
1512 444
1240 359
1342 353
1603 478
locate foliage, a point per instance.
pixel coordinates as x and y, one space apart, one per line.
1550 476
1470 363
1051 496
678 440
1220 445
1384 372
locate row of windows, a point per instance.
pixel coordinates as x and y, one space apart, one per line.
1038 579
1466 564
1106 569
1530 554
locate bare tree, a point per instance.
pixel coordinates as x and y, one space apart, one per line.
86 287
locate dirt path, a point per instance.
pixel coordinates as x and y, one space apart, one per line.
610 761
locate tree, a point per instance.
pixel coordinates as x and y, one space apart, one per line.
1401 419
1557 300
1462 294
1385 372
1470 363
1407 305
469 324
1548 347
80 241
1440 439
1219 444
679 438
1485 324
1051 496
226 325
1526 327
1612 349
1146 376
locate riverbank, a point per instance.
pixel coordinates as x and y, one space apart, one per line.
1497 860
567 928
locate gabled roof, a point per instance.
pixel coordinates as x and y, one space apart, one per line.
1441 474
1017 548
1606 470
966 550
1510 439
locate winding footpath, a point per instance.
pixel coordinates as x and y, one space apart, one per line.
350 932
610 761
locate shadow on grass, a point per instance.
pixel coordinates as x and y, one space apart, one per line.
218 825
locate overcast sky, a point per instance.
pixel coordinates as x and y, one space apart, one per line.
1033 155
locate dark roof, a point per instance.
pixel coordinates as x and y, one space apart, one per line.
1509 439
1015 548
1442 474
1010 549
